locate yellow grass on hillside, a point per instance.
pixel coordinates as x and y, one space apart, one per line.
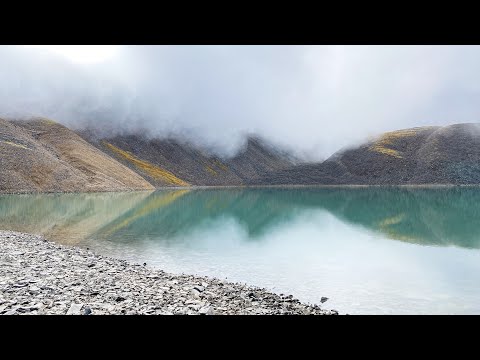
215 164
210 170
220 165
383 145
386 151
15 144
47 121
152 170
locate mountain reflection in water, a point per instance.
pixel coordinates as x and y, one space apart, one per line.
438 217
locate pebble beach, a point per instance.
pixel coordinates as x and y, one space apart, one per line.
38 276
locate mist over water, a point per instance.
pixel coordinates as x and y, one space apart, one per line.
370 250
311 99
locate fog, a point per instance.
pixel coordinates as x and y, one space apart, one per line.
311 99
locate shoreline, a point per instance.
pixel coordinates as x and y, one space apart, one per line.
38 276
206 187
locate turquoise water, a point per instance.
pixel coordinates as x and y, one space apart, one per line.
369 250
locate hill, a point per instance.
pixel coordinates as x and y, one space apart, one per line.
424 155
172 162
40 155
43 156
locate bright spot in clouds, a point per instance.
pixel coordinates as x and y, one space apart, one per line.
82 54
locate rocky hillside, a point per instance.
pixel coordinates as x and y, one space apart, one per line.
43 156
171 162
425 155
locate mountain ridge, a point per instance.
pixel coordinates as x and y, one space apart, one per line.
40 155
415 156
189 163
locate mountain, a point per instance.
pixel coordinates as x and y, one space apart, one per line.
40 155
172 162
423 155
43 156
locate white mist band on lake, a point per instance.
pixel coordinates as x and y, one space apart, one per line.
369 250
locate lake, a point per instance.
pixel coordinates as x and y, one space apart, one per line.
369 250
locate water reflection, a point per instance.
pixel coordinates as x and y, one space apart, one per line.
423 216
66 218
445 216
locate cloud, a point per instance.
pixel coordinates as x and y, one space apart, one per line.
313 99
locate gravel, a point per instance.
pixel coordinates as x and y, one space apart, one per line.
41 277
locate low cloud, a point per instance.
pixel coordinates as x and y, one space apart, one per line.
312 99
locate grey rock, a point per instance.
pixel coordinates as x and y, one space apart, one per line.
195 293
74 309
228 289
22 309
206 310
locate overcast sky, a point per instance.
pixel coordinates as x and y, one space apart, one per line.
314 99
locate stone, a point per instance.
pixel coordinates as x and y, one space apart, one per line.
22 309
228 289
74 309
195 293
87 311
206 310
108 307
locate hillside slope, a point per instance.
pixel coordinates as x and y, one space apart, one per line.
425 155
43 156
171 162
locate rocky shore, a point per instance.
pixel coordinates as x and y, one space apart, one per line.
40 277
